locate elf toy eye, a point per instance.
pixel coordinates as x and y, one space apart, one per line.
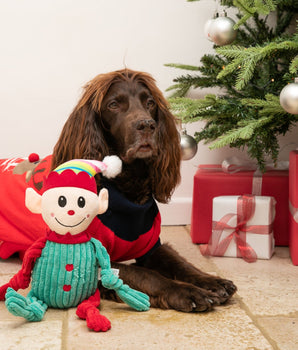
62 201
81 202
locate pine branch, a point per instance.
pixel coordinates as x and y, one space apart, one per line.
182 66
293 69
243 133
248 58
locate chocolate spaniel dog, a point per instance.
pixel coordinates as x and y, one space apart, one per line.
124 113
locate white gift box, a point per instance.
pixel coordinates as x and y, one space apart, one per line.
262 217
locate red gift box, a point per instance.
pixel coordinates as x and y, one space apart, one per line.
211 181
293 204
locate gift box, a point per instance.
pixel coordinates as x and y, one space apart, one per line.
293 206
242 226
211 181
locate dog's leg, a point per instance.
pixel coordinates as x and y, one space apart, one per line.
164 293
170 264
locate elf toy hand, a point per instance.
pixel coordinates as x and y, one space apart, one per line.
137 300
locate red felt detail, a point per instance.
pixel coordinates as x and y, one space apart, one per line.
69 267
33 157
67 287
210 181
68 178
71 212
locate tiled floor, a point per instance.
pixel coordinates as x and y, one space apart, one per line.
263 314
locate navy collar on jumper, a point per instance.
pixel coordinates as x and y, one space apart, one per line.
126 219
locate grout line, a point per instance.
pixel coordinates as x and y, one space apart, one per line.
242 305
254 319
64 331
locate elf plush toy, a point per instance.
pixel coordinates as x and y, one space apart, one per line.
63 266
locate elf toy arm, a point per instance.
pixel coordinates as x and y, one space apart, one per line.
21 280
131 297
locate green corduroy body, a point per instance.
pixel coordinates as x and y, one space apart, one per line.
65 274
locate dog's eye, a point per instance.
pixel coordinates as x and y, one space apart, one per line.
150 103
113 105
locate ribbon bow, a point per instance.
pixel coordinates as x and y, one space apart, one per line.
245 210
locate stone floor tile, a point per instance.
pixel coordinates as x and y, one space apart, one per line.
267 287
283 330
228 326
22 335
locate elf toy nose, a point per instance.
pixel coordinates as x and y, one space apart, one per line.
70 212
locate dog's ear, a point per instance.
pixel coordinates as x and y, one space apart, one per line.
166 170
82 137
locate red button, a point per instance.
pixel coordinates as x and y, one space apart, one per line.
69 267
67 287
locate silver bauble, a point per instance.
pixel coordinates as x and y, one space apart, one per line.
189 146
289 98
222 32
207 28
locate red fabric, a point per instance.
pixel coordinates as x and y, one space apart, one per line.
21 280
120 249
88 310
19 228
68 238
210 181
68 178
293 202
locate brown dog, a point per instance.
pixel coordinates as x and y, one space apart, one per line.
124 113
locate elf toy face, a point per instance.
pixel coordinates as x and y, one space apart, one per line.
67 209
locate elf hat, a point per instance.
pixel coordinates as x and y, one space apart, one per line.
80 173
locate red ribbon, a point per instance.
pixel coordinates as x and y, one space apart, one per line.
245 210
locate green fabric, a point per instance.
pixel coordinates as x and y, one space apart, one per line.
50 274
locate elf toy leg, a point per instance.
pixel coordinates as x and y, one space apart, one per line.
28 307
88 311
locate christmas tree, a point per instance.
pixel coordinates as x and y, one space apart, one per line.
251 71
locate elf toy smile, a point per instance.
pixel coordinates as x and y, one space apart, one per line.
63 266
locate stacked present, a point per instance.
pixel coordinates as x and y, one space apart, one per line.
239 224
293 206
242 226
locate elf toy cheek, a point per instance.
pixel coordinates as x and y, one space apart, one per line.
52 215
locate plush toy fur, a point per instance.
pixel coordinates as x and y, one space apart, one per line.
63 266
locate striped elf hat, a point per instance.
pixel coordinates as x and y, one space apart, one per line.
80 173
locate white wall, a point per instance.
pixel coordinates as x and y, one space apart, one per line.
49 49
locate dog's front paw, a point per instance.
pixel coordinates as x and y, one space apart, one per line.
185 297
223 288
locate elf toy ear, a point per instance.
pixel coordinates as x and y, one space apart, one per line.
103 199
33 201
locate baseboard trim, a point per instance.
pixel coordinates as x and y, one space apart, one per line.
177 212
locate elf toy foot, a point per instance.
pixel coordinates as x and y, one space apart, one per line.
88 311
96 321
30 308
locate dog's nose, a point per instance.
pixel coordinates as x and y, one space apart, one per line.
146 125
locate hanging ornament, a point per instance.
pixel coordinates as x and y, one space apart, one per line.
188 145
289 97
221 30
207 28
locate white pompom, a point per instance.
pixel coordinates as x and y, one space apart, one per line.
114 166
